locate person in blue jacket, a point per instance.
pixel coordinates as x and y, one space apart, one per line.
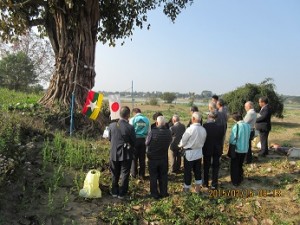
241 140
141 126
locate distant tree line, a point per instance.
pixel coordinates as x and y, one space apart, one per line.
235 99
159 94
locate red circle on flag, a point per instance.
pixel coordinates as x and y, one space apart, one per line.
115 106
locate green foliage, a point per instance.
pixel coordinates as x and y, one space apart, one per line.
117 18
178 209
168 97
192 97
10 135
206 94
297 189
10 131
153 101
252 92
10 100
17 72
286 143
38 50
119 215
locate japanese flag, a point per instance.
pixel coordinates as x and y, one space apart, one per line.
114 106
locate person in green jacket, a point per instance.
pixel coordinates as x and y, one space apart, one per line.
141 126
241 140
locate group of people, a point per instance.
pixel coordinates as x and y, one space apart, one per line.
132 139
242 134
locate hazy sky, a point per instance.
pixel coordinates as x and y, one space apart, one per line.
215 45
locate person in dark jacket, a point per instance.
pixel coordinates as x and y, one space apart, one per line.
122 139
157 142
177 131
263 124
212 149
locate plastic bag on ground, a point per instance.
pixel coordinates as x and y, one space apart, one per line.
91 185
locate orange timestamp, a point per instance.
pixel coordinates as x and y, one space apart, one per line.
244 193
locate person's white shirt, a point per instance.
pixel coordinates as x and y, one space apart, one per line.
194 138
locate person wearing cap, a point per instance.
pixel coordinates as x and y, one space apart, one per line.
141 126
157 142
177 131
212 149
241 140
192 142
250 118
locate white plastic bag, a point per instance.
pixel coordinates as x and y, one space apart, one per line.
91 185
106 133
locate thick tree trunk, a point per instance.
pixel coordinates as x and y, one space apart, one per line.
72 32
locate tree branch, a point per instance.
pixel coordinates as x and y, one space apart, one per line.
35 2
36 22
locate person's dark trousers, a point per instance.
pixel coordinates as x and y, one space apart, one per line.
190 166
139 157
249 153
263 135
175 160
120 169
158 170
214 161
236 168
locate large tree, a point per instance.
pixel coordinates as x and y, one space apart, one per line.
73 27
168 97
252 92
37 49
17 72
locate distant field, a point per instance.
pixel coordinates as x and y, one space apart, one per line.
284 131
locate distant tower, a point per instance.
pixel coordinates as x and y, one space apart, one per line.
132 99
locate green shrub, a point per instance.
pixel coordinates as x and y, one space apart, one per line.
9 134
153 101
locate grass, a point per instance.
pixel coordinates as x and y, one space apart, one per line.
75 153
10 100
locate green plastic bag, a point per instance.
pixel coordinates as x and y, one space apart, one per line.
91 185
